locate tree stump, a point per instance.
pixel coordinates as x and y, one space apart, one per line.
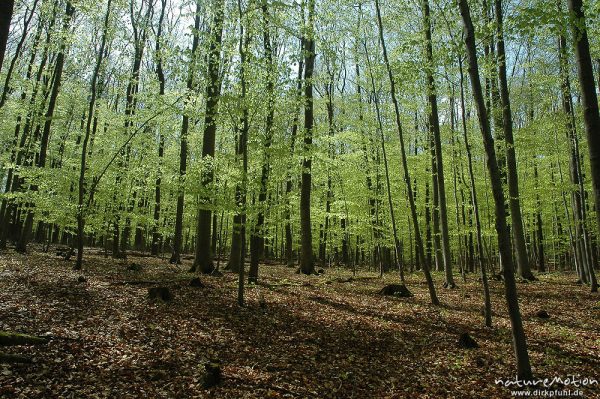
465 341
196 283
542 314
134 267
399 290
65 252
212 376
162 293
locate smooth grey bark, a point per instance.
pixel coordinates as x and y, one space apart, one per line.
523 266
86 139
504 247
203 260
386 168
257 241
289 252
482 267
183 137
6 12
434 127
413 209
45 137
160 74
589 102
307 264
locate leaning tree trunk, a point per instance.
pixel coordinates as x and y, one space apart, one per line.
523 267
203 261
411 199
589 100
18 50
482 266
510 286
6 12
385 167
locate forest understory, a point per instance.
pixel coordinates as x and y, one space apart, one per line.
325 336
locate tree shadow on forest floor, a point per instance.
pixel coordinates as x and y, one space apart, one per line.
317 340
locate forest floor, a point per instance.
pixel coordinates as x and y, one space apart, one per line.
298 336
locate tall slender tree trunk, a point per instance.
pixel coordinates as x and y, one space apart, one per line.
366 143
41 160
510 286
307 264
7 207
27 20
289 252
241 190
413 209
589 101
6 12
523 267
329 87
482 266
434 126
386 169
183 149
435 209
539 226
257 241
579 237
86 139
160 74
203 261
139 26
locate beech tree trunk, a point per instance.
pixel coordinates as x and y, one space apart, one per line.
241 190
289 252
160 74
86 139
518 333
203 261
434 127
257 241
307 265
8 207
41 159
413 209
6 12
387 176
523 266
482 266
589 101
27 20
183 149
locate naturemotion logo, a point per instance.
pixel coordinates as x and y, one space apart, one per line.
557 386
